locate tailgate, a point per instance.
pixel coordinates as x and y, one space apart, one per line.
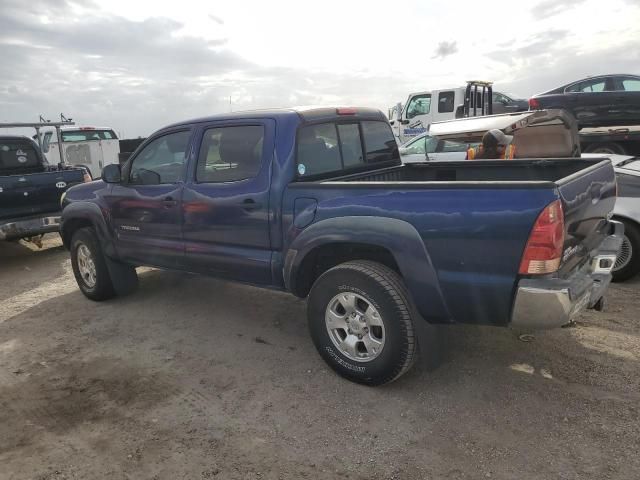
588 197
25 195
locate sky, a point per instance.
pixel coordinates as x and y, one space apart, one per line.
137 66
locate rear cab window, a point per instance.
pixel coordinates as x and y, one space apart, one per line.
17 154
345 146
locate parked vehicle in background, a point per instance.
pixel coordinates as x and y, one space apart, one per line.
602 101
31 189
508 103
88 147
422 109
316 202
544 134
627 211
618 140
426 147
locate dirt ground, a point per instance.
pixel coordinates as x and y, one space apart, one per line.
193 378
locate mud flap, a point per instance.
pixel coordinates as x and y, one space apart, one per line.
123 277
431 343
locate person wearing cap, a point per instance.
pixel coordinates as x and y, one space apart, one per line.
495 144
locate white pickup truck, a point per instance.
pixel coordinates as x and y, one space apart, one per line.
89 147
424 108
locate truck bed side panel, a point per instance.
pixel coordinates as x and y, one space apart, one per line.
474 236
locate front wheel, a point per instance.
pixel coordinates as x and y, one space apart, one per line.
359 317
628 261
89 266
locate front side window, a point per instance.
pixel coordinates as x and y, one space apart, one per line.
230 154
451 146
417 146
161 161
419 105
445 102
379 142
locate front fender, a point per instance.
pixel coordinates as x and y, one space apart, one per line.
397 236
87 212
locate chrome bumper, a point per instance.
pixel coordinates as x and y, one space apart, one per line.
549 303
29 227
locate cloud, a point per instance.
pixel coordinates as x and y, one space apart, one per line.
550 8
445 49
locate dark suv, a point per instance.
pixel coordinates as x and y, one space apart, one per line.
603 101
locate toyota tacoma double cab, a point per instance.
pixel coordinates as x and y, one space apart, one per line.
317 202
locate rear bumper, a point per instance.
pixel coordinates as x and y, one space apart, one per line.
552 302
29 227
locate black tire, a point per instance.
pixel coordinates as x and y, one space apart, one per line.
628 261
383 289
102 287
606 149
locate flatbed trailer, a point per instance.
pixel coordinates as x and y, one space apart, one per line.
614 140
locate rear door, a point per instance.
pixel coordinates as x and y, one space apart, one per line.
593 102
588 197
627 98
226 201
146 209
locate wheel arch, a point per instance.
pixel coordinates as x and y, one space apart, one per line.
391 242
84 214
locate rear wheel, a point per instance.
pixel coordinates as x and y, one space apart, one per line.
628 261
360 321
89 266
606 148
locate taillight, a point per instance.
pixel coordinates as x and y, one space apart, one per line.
346 111
544 247
534 104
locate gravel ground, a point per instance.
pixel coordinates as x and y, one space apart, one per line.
195 378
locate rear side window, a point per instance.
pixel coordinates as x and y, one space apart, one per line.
318 150
230 154
17 154
379 142
445 102
331 147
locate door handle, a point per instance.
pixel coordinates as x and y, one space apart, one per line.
250 204
169 202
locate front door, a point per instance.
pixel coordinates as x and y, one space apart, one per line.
146 208
226 202
416 117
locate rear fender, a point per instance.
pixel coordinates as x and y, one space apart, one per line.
397 236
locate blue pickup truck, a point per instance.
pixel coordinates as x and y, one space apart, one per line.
317 202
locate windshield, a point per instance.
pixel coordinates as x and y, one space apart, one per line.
87 135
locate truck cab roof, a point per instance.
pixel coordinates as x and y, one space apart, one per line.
304 113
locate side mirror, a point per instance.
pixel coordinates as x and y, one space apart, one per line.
403 151
112 173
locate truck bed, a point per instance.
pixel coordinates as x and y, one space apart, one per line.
532 172
474 218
